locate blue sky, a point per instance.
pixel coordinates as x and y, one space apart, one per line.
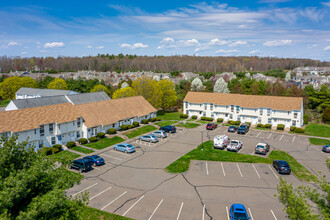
281 28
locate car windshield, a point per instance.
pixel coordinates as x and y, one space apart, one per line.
242 127
284 164
240 216
97 157
209 124
260 146
234 143
232 127
153 136
128 145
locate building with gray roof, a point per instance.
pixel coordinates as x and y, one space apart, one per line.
27 93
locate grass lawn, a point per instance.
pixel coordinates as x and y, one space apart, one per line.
82 150
265 129
188 125
320 130
318 141
140 131
191 119
105 142
4 103
170 116
299 170
165 123
65 154
204 122
96 214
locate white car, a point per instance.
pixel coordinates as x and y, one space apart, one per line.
234 145
220 142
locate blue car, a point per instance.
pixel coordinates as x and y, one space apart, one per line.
124 147
326 148
238 212
95 159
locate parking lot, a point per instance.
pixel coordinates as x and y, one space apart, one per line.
136 185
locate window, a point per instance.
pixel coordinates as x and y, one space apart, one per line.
288 112
42 130
41 142
259 120
59 126
293 122
35 131
226 115
53 141
78 122
269 120
204 114
78 134
113 125
51 128
200 113
186 104
269 111
205 106
232 108
261 111
212 114
211 107
231 116
295 115
237 109
73 123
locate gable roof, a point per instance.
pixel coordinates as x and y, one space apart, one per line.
40 101
77 99
28 91
247 101
44 92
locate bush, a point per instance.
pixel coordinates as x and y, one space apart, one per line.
220 120
58 146
263 126
124 127
144 121
183 116
326 115
237 122
100 135
130 126
152 119
292 128
306 119
249 123
234 122
194 117
136 124
92 139
158 119
280 127
71 144
82 141
206 118
47 150
112 131
268 126
299 130
259 125
54 150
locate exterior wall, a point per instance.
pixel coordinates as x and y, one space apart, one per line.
11 106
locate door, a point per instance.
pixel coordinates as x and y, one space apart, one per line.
59 139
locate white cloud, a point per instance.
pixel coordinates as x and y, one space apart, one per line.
125 45
254 51
274 1
23 53
277 43
227 51
189 43
326 3
167 40
238 43
134 46
43 51
89 47
216 41
242 26
327 48
53 44
13 43
100 47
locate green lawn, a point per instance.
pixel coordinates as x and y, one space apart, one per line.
139 131
170 116
188 125
299 170
320 130
204 122
319 141
165 123
105 142
191 119
82 150
90 213
265 129
4 103
65 155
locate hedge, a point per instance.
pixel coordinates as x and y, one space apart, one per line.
100 135
220 120
183 116
124 127
263 126
144 121
259 125
82 141
130 126
112 131
57 146
71 144
206 118
234 122
158 119
268 126
194 117
292 128
92 139
280 127
306 119
299 130
136 124
47 150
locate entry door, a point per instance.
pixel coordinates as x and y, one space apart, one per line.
59 138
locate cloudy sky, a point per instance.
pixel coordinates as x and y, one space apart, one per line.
281 28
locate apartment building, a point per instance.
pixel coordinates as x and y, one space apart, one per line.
246 108
28 93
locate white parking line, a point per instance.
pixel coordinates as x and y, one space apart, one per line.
227 212
273 214
251 214
273 172
203 212
114 200
100 193
293 138
156 209
207 169
269 136
133 205
256 171
121 153
258 134
177 218
242 148
223 170
84 189
252 153
281 137
111 157
239 170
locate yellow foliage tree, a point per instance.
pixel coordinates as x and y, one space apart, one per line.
11 85
58 83
100 88
124 92
149 89
168 96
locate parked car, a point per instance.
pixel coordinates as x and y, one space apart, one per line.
124 147
282 166
168 129
243 129
149 138
232 128
220 142
246 124
160 134
262 148
326 148
238 212
211 126
81 165
95 159
234 145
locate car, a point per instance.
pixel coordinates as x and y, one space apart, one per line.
326 148
246 124
232 128
281 166
159 134
81 165
238 212
211 126
124 147
243 129
234 145
95 159
168 129
220 142
149 138
262 148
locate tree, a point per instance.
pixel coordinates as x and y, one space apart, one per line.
124 85
326 115
168 96
123 92
33 186
58 83
288 76
197 85
100 88
11 85
221 86
149 89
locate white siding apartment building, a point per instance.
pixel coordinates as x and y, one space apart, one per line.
246 108
61 123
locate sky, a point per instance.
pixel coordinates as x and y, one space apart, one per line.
267 28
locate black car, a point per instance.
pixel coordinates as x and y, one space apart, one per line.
326 148
168 129
95 160
232 128
282 166
81 165
243 129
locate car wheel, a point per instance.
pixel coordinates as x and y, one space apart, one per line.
125 151
115 149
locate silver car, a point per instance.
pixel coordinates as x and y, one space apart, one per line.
160 134
234 145
149 138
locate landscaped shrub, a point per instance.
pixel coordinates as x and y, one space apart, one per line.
292 128
152 119
112 131
268 126
299 130
82 141
130 126
259 125
54 150
306 119
47 150
158 119
237 122
206 118
100 135
280 127
144 121
57 146
71 144
124 127
220 120
183 116
249 123
136 124
194 117
92 139
263 126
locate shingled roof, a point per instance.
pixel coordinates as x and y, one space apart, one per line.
247 101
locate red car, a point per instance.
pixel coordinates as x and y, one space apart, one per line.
211 126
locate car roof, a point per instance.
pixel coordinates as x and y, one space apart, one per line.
282 162
262 144
239 206
235 140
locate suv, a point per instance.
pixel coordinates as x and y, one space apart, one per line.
168 128
81 165
160 134
281 166
262 148
211 126
243 129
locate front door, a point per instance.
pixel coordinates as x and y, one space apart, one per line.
59 138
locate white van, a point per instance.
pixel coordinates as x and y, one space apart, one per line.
220 142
